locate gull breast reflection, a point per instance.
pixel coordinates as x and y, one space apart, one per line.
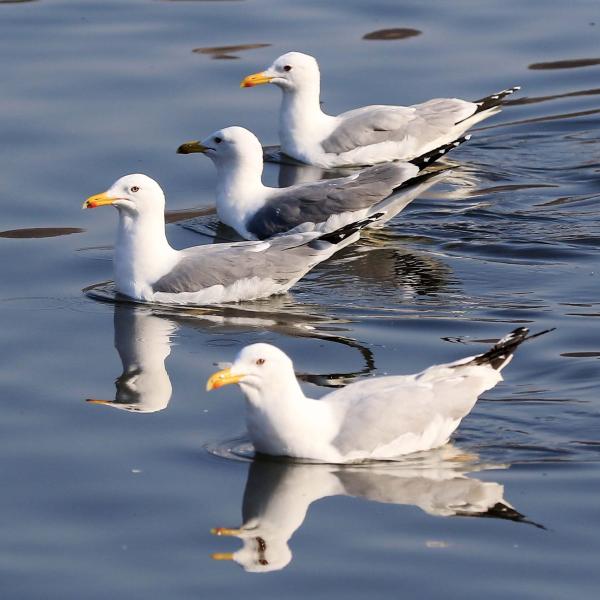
143 342
278 495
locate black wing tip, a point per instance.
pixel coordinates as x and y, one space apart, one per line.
339 235
495 99
430 157
500 510
500 353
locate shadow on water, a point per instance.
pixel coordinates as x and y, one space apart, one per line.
279 494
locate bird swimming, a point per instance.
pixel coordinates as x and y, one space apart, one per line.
256 211
377 418
366 135
148 269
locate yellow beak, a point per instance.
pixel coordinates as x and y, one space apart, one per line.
221 378
96 401
222 556
225 531
255 79
102 199
191 147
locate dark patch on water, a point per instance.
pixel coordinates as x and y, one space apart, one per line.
228 52
575 63
40 232
396 33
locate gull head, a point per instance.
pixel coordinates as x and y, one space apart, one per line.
257 368
133 195
259 554
228 145
290 72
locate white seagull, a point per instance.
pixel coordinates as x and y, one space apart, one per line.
367 135
374 419
256 211
148 269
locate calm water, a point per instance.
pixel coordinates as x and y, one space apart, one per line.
105 503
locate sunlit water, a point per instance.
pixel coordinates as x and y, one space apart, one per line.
98 502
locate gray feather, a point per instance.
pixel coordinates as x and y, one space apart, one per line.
377 124
282 259
316 202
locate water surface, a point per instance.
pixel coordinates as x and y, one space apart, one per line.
99 502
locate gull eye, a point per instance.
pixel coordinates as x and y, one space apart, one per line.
260 361
135 188
218 140
287 68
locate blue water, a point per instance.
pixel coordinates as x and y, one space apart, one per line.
98 502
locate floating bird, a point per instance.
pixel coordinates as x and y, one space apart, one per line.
377 418
256 211
278 496
367 135
148 269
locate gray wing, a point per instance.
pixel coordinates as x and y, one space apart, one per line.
420 124
377 414
378 411
282 259
316 202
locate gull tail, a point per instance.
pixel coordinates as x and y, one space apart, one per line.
499 355
430 157
494 100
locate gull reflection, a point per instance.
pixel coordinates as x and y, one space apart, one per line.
278 495
143 342
143 338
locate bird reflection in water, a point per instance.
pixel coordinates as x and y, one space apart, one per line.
143 342
143 339
279 493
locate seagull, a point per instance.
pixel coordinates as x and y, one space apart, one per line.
377 418
279 494
367 135
148 269
256 211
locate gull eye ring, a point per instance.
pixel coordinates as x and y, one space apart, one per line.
135 188
218 140
260 361
287 68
